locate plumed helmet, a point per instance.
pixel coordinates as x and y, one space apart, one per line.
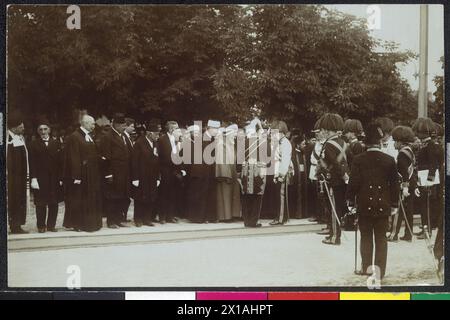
386 124
353 125
403 134
424 128
331 122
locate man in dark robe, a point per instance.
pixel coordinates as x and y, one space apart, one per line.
46 177
146 175
82 173
17 170
171 172
201 194
116 172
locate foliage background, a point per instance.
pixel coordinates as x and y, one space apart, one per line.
291 62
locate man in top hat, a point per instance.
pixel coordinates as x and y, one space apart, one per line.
387 143
117 156
171 172
82 173
146 174
17 170
46 177
333 172
373 188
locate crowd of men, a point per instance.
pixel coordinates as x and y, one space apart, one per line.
382 172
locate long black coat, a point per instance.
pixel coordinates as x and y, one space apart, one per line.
82 162
17 183
375 184
145 168
117 157
46 167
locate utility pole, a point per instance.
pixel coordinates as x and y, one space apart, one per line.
423 62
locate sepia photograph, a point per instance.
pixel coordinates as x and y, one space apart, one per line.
225 146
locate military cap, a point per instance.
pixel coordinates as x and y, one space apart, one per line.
353 125
403 134
331 122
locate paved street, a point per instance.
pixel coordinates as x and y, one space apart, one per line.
287 259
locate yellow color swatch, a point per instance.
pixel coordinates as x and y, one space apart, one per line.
374 296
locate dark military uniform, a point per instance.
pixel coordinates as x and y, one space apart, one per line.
406 169
375 186
332 167
429 157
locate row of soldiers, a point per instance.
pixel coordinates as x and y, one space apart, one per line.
385 176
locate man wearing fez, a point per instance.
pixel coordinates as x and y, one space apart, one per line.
146 174
117 156
83 176
17 170
46 177
374 188
171 172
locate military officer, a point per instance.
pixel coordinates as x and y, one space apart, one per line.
282 167
374 188
429 161
333 171
406 161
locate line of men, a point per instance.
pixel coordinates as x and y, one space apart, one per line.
389 168
96 175
386 176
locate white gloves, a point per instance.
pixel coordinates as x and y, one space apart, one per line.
394 211
34 184
77 181
158 182
405 192
417 192
135 183
183 173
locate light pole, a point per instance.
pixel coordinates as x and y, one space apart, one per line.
423 62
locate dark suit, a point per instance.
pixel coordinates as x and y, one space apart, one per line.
46 167
82 162
375 185
130 145
145 168
115 151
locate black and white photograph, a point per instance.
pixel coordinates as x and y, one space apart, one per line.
225 145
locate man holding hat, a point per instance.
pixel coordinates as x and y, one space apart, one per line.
117 156
146 174
373 188
17 170
46 177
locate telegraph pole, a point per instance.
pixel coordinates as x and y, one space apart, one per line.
423 62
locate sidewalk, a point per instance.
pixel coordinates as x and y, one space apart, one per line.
183 230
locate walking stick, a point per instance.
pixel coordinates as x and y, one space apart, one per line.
356 242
